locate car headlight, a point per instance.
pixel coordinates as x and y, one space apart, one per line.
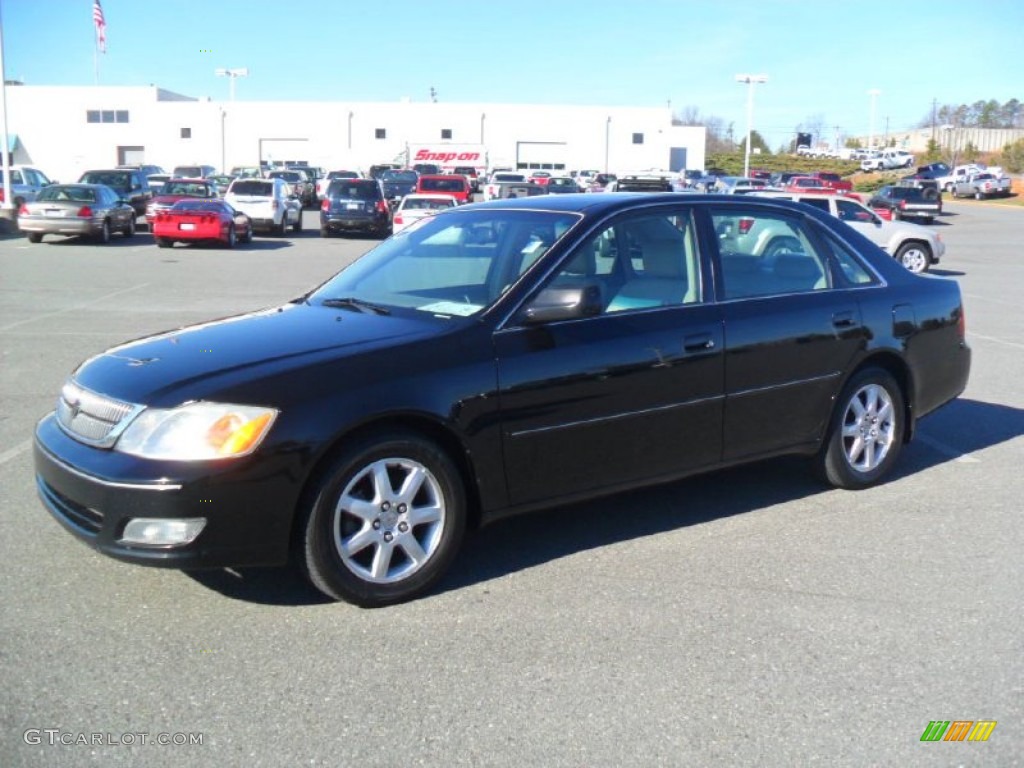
197 431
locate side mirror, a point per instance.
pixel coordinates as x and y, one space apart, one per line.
556 303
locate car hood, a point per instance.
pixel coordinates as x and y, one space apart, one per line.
196 362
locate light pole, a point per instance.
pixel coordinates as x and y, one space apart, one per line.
873 93
607 136
750 80
232 75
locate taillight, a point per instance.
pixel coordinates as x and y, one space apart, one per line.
961 323
745 224
23 211
399 219
325 205
903 205
382 206
274 204
85 212
1 194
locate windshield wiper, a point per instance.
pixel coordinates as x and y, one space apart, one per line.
350 302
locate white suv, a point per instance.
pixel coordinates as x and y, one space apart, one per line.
269 203
914 246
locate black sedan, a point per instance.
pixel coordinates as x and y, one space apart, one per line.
494 359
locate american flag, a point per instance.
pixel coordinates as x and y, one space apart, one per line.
101 25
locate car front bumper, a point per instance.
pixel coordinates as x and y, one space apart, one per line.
94 493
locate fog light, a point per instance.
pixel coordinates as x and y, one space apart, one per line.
156 532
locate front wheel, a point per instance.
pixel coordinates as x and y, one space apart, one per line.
914 256
385 521
978 195
866 432
35 237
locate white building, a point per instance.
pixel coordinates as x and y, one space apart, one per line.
64 130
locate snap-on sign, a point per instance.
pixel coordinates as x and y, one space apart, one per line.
425 155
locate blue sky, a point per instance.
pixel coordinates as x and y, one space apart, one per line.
821 58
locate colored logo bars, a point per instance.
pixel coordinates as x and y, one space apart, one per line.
958 730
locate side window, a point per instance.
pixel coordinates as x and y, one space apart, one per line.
766 253
850 211
853 270
639 262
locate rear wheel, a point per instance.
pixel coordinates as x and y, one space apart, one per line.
232 240
324 232
282 228
104 235
385 522
247 237
35 237
866 433
163 242
129 229
297 226
978 195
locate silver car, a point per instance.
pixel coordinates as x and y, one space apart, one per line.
90 210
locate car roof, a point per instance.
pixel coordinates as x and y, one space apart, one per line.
612 202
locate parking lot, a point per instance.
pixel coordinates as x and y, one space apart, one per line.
750 617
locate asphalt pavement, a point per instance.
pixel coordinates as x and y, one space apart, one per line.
746 618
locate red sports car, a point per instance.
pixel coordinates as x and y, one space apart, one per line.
201 220
174 190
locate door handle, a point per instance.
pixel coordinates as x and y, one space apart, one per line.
698 342
842 319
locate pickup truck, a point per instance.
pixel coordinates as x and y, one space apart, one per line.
907 202
492 189
982 185
26 183
964 173
832 181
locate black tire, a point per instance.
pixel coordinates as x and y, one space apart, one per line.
163 242
325 232
915 256
870 406
780 245
35 237
247 237
232 240
104 236
338 512
129 228
978 195
297 226
282 229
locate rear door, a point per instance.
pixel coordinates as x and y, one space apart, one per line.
792 329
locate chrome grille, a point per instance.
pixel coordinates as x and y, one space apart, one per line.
92 418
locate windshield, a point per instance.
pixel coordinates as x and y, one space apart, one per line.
454 264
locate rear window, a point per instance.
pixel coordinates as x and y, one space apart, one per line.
353 189
253 187
70 194
289 176
188 171
403 176
422 204
443 185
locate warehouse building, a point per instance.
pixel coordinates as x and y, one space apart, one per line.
64 130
